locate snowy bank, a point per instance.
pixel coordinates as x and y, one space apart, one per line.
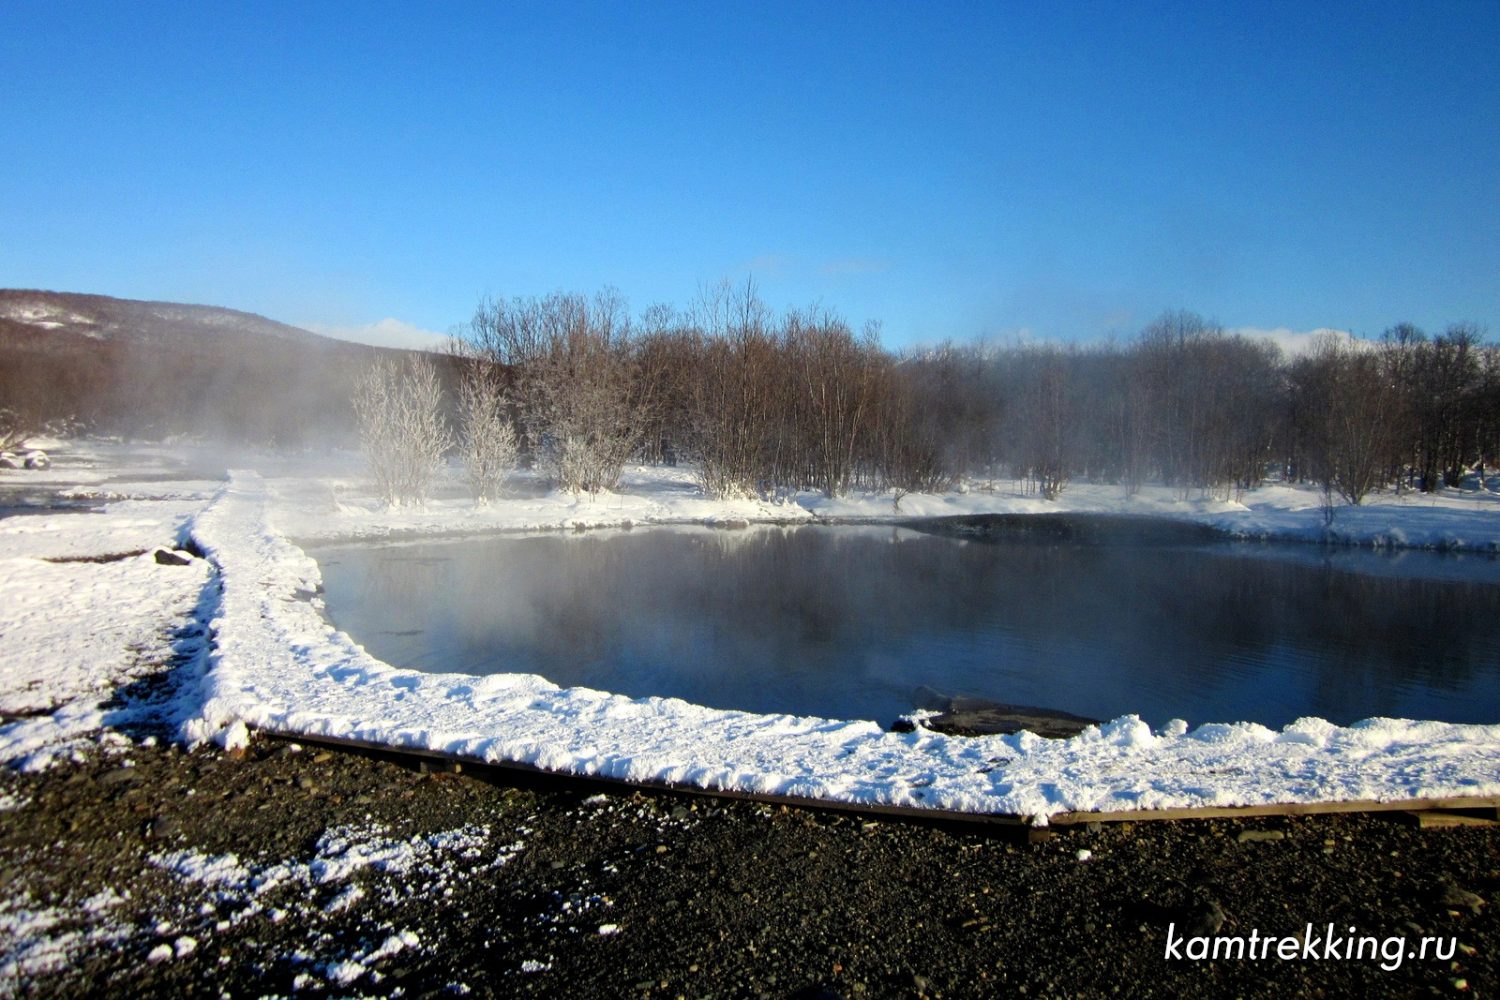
331 504
278 665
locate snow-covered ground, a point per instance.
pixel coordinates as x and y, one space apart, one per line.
74 630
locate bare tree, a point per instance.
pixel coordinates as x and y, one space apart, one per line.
401 426
837 376
582 395
487 441
908 433
737 395
14 429
1347 404
1047 418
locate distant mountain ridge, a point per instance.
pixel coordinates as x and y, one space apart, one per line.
104 317
152 369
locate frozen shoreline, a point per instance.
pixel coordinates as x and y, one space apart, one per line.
274 661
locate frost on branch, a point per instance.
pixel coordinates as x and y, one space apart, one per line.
402 429
487 440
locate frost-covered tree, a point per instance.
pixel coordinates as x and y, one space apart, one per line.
487 441
402 429
583 397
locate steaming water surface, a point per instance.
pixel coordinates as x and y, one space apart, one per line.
848 622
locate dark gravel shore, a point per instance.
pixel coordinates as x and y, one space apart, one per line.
357 876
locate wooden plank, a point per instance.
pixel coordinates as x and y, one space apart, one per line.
1436 819
429 761
1276 809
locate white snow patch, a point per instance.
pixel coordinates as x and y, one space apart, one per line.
75 630
105 899
341 854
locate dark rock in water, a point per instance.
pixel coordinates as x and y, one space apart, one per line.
167 557
979 717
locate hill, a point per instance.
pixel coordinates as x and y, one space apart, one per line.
152 369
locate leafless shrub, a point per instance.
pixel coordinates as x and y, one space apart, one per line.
580 391
401 426
14 429
487 441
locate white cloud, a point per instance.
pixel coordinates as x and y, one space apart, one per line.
386 333
1294 343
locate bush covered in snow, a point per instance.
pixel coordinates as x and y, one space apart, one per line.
487 441
402 429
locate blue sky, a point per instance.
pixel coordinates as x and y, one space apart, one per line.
1060 170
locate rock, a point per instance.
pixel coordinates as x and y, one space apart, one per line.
36 460
962 716
1455 897
163 827
167 557
1259 836
1202 918
118 776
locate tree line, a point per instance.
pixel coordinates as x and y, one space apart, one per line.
764 404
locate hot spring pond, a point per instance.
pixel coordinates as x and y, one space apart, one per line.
869 622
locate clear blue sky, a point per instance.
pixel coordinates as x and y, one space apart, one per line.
1067 169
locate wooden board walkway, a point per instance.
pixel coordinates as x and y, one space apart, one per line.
1428 813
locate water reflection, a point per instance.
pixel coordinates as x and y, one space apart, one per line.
850 622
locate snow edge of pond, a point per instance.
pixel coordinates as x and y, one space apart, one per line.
277 664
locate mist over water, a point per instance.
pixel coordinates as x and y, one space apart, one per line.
854 622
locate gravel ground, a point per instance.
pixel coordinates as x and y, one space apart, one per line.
290 870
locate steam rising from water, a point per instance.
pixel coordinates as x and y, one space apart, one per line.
852 622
